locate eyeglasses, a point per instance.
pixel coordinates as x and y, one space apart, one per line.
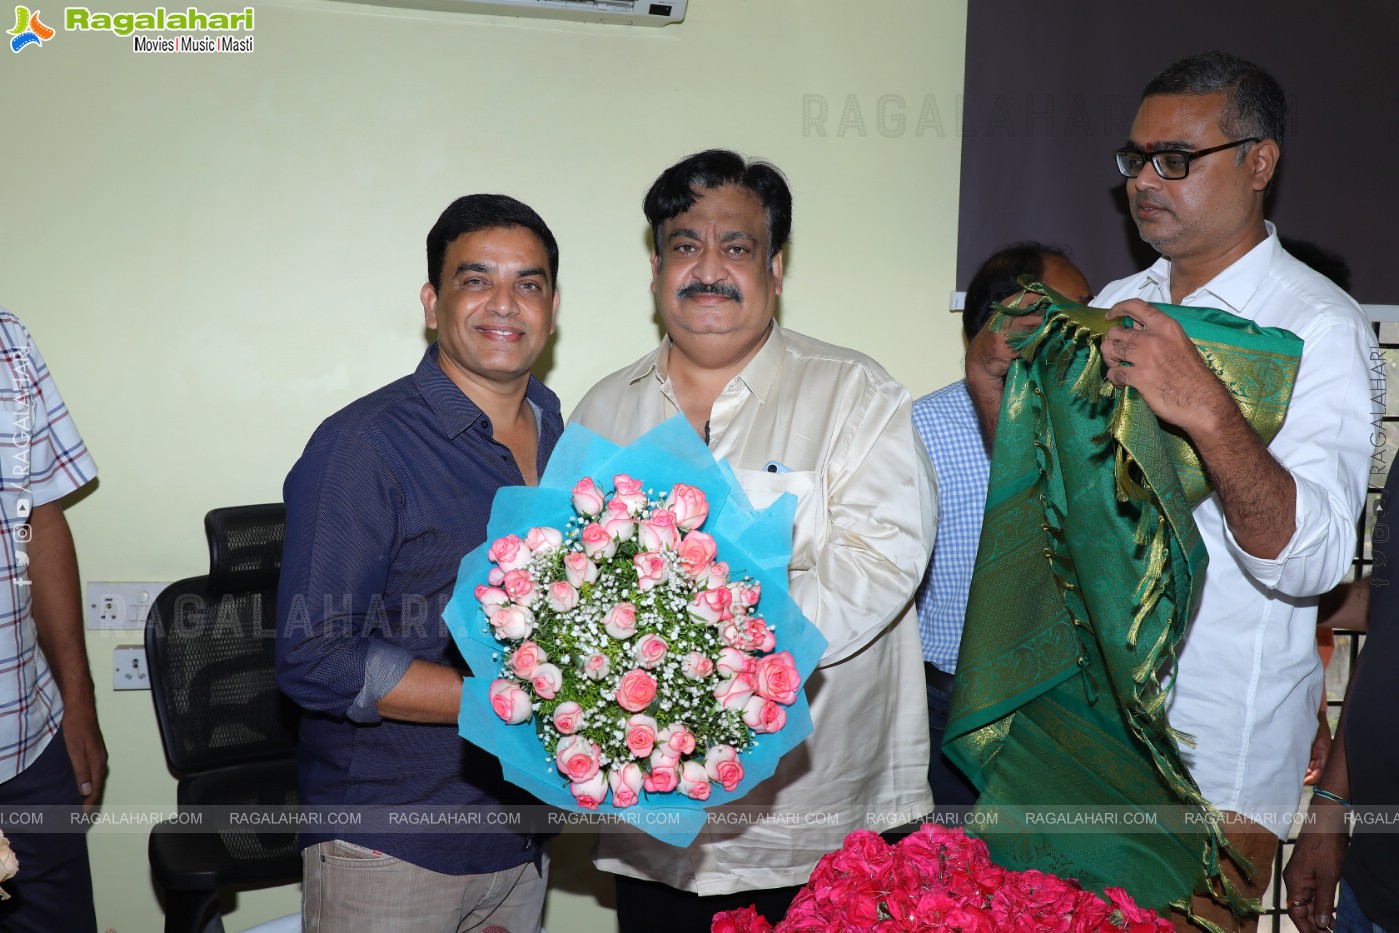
1170 164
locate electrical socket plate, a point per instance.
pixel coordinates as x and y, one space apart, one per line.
120 605
129 668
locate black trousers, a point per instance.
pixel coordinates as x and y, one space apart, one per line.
648 906
53 891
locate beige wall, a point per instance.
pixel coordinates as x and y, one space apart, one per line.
215 253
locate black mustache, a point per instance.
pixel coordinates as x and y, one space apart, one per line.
722 289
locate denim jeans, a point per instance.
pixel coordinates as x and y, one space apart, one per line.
1350 918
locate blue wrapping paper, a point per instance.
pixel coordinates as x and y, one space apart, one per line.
755 542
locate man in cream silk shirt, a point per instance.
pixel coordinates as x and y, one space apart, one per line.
829 425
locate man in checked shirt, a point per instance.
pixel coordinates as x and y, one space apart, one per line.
45 684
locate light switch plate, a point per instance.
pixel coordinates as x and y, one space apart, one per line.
120 605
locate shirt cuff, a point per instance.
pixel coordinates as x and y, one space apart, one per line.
384 667
1307 535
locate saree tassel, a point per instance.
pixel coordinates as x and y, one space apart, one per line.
1226 893
1207 925
1089 381
1146 671
1155 705
1090 687
1181 738
1127 488
1028 345
1149 531
1065 352
1119 414
1152 586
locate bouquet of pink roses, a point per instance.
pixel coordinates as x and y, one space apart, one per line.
644 667
655 686
940 880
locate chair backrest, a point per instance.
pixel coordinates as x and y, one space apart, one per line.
210 645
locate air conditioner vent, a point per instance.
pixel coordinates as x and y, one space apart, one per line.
617 12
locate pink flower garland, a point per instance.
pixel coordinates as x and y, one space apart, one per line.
940 881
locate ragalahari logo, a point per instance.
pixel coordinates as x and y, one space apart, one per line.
28 30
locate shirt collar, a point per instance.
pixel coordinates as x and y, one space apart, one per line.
758 376
455 410
1233 288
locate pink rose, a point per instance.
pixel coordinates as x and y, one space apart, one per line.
626 783
651 569
547 681
1090 913
578 569
641 735
587 497
636 691
664 757
577 757
762 715
650 649
732 661
1032 900
694 781
759 635
544 540
735 692
590 793
661 779
509 553
676 739
510 701
743 920
714 576
1131 912
596 666
748 634
597 543
568 717
495 577
629 493
618 522
620 621
696 666
512 623
658 531
689 505
491 596
722 765
936 910
777 678
697 551
747 593
712 606
526 658
519 586
562 597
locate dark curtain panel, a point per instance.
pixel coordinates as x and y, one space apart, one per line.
1051 91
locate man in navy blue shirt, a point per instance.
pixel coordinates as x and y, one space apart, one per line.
388 496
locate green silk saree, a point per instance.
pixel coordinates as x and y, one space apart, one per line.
1088 573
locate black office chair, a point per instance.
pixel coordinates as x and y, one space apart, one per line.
228 732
